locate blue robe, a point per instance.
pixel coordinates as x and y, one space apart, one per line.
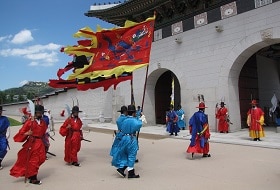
181 121
126 152
196 122
171 119
119 134
4 124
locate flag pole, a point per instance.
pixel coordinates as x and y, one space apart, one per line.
145 84
131 91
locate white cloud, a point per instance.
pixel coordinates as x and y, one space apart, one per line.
40 55
23 82
22 37
2 38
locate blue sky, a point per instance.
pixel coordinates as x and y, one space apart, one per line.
32 33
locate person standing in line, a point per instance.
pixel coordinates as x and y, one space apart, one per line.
33 154
222 115
138 112
199 129
4 144
181 118
125 156
118 133
71 130
51 122
46 138
171 120
255 121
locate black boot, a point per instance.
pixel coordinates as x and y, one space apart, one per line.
131 174
121 171
33 180
206 155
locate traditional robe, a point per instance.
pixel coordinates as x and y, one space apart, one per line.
222 116
118 134
73 137
4 125
32 155
171 120
126 152
181 120
255 120
199 130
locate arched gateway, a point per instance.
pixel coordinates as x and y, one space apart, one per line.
214 48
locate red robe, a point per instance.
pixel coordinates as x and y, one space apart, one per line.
197 148
255 120
222 116
32 155
73 137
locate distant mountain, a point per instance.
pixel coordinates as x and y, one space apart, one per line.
30 90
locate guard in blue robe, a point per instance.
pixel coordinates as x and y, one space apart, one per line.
181 118
125 155
118 133
4 125
171 122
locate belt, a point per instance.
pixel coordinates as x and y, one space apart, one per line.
36 137
130 134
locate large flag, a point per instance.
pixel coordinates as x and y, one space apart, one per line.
107 57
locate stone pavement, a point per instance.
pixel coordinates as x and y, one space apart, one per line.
271 139
163 163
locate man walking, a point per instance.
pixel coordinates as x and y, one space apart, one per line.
33 154
125 156
4 126
199 130
71 130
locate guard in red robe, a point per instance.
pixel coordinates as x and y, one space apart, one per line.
32 155
199 129
71 130
255 121
222 115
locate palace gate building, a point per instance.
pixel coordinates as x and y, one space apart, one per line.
213 50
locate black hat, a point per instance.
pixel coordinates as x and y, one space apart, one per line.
39 108
223 103
75 109
1 108
131 108
123 109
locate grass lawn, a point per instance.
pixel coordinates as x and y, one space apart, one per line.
14 122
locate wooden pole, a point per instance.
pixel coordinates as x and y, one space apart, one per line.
145 84
132 101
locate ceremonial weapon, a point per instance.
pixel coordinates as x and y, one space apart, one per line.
85 140
32 112
51 153
50 136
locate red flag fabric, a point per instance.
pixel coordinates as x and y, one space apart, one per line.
109 54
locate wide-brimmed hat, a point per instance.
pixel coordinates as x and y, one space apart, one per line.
123 109
75 109
254 102
1 108
222 103
201 105
39 108
131 108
